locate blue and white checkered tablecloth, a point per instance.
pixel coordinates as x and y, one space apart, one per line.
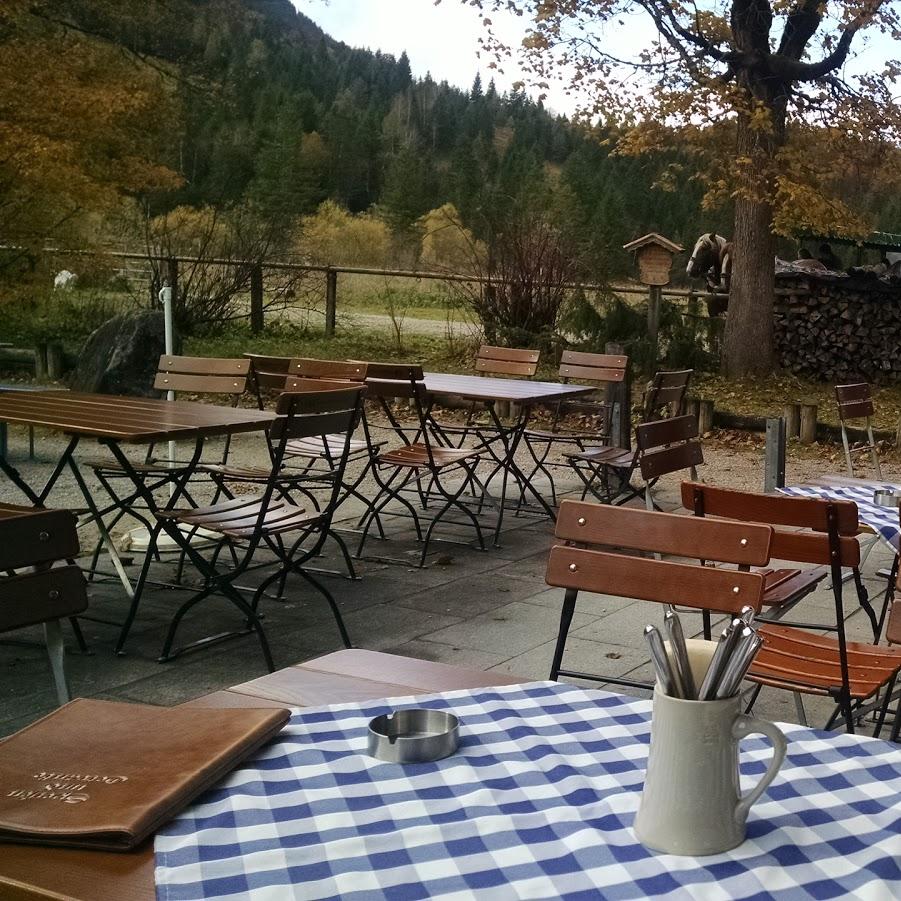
537 803
882 520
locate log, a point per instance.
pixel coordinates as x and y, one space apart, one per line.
705 416
808 423
791 413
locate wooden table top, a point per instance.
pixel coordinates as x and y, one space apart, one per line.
521 391
31 872
138 420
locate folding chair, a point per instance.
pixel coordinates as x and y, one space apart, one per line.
247 524
607 471
784 587
855 402
267 375
794 658
607 369
210 376
581 565
34 539
418 464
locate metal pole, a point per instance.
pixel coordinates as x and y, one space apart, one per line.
774 465
169 343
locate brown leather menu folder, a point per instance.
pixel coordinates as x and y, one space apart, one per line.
103 774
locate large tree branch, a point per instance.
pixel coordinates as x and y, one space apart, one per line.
800 27
789 70
672 30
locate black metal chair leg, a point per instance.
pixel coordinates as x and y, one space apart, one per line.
566 618
342 629
79 635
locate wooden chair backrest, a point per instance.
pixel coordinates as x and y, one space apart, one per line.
668 445
780 510
35 537
581 567
388 380
316 413
491 360
666 389
268 373
338 370
854 401
202 375
587 367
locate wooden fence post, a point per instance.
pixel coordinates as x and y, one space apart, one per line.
774 460
331 301
791 413
256 298
705 416
655 294
172 277
808 430
619 397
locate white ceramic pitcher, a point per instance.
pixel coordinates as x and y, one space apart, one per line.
692 801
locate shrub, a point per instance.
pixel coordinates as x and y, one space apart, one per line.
333 236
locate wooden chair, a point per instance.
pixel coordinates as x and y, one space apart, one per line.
581 565
310 462
214 377
245 524
604 369
851 673
32 590
796 660
418 464
606 472
267 375
784 587
855 402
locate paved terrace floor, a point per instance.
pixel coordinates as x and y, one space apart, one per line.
490 610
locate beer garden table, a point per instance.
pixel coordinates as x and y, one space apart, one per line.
524 394
538 802
115 421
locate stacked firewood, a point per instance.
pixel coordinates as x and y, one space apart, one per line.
839 328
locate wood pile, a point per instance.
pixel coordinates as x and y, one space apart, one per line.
837 328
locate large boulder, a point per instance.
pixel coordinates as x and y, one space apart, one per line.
122 356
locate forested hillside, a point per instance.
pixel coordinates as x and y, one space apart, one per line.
240 105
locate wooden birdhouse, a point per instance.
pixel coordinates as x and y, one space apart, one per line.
655 258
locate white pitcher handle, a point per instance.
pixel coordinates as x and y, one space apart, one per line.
749 725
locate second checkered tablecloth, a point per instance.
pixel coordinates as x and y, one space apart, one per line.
537 803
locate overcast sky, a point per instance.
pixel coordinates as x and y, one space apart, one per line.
443 39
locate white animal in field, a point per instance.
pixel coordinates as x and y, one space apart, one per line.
64 280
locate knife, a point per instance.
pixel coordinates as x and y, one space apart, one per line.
661 662
740 663
721 655
681 665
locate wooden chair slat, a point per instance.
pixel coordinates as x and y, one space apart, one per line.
599 361
200 384
591 373
654 464
506 367
857 391
400 372
389 388
204 365
262 362
670 395
325 400
661 432
302 385
31 598
346 370
30 537
664 582
667 533
809 547
855 409
508 354
776 509
666 379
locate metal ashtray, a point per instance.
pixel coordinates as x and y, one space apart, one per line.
415 735
886 497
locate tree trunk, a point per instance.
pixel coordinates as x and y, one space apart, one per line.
749 345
